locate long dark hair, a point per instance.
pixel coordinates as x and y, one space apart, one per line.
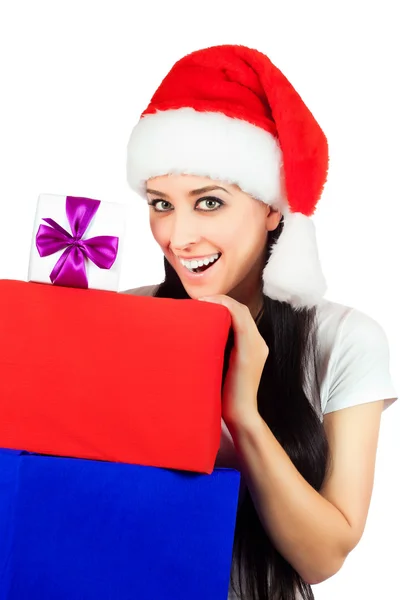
294 419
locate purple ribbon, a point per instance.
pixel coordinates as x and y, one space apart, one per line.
70 269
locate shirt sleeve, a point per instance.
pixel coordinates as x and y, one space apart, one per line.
361 365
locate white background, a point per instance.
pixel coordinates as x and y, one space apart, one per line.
75 77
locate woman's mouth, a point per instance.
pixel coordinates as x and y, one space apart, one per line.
202 271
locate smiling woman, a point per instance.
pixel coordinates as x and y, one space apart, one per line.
232 163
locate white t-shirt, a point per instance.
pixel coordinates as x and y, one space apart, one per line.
353 366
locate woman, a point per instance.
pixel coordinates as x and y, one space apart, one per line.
232 164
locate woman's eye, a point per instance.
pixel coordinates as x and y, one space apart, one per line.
153 204
212 200
207 202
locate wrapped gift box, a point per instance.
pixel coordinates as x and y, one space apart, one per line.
73 529
99 375
77 242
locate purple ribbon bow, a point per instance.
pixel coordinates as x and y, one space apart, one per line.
70 270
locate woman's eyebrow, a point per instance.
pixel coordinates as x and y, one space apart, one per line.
193 192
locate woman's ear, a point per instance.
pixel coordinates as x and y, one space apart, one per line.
273 218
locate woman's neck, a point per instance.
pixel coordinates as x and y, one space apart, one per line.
259 314
256 306
251 295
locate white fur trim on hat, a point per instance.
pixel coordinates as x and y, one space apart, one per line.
293 273
208 144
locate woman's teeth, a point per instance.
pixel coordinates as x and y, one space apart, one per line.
194 264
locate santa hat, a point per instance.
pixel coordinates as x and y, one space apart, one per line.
228 113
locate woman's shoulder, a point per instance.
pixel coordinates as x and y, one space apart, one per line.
144 290
354 354
334 320
337 320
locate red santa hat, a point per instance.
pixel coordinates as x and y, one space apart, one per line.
228 113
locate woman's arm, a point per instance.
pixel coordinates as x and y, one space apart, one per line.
314 531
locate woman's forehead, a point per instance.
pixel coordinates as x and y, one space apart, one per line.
186 182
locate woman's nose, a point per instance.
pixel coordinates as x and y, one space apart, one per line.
183 235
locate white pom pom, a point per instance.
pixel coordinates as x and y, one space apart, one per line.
293 273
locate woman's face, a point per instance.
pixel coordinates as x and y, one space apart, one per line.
189 221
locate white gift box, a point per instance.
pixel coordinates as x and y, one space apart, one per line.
109 220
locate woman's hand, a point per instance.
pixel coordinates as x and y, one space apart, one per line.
247 360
